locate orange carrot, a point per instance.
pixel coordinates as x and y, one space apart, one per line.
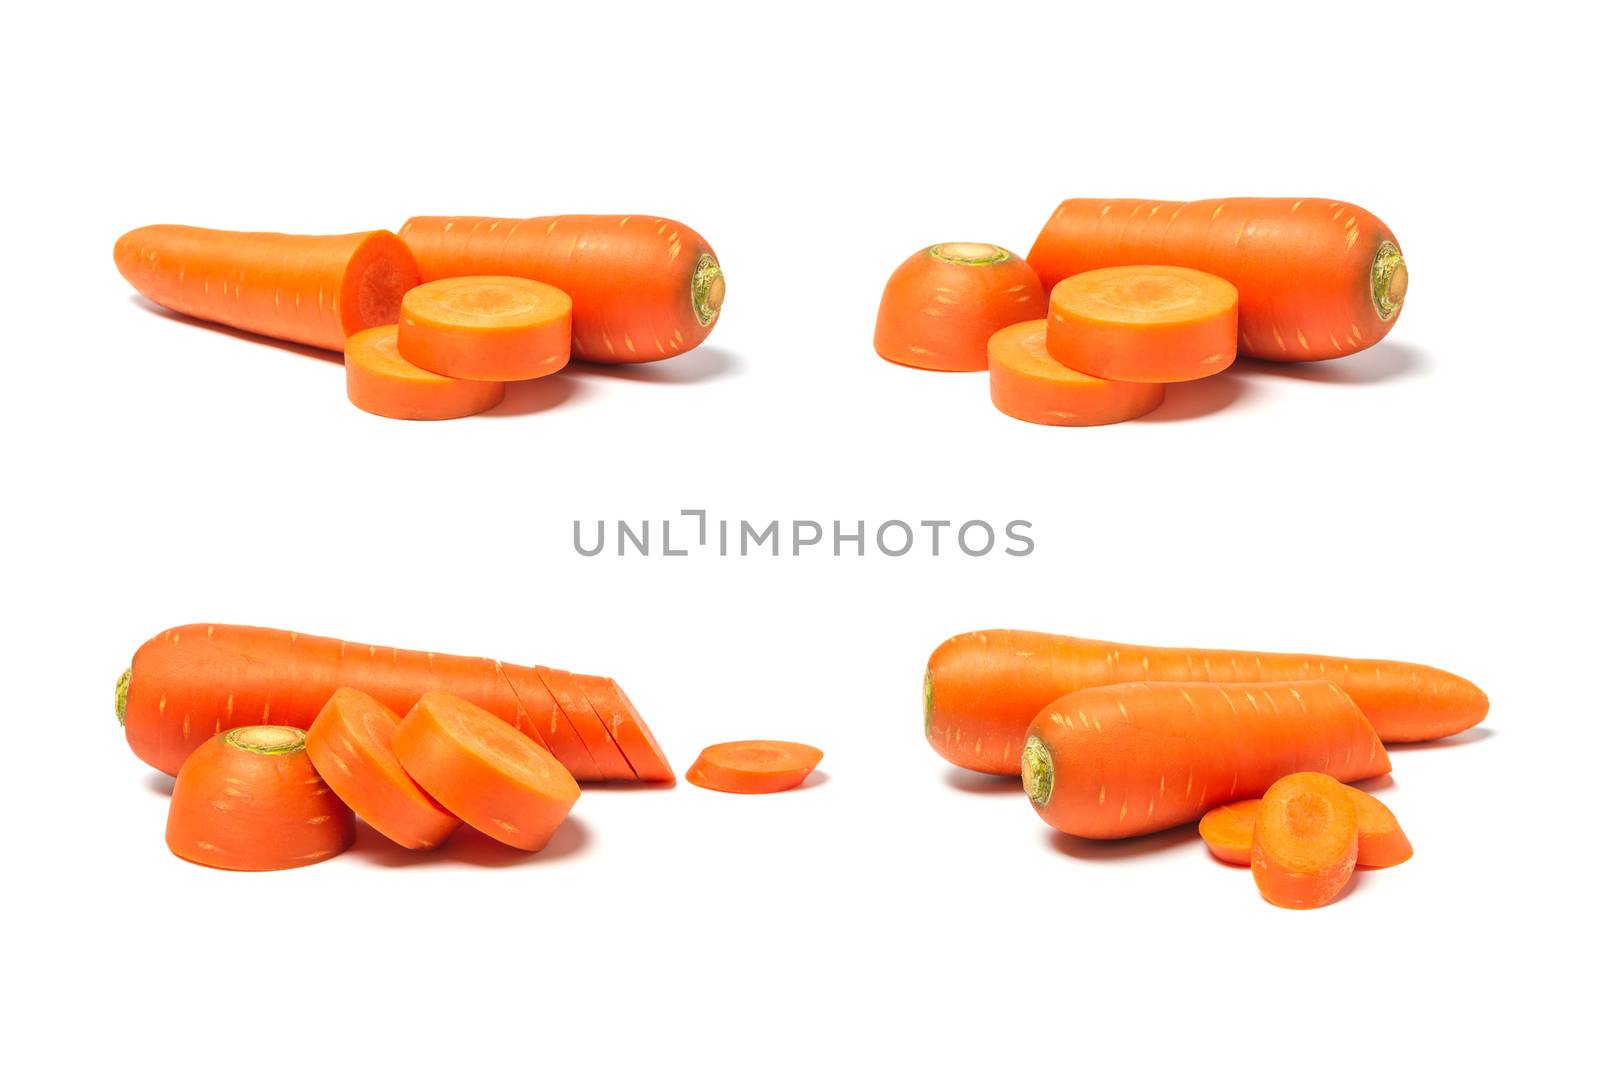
350 744
627 728
585 719
193 681
941 306
1228 831
642 288
754 766
1380 841
250 800
491 776
311 290
1027 384
560 726
487 329
1305 843
1130 759
1316 278
380 381
1144 324
983 688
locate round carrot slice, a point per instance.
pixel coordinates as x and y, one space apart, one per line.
1379 840
250 800
350 744
1229 830
1027 384
491 775
754 766
1144 324
379 381
941 305
1305 843
487 328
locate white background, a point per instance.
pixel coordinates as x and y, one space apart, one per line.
1429 499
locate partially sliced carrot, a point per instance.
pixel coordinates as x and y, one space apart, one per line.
351 745
627 727
941 305
1144 324
1379 840
250 800
565 740
1305 843
486 328
1229 830
608 758
379 381
1027 384
754 766
492 776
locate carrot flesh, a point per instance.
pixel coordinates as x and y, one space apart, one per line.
493 329
250 800
1144 324
642 288
1317 279
1228 831
491 776
1124 760
613 766
1305 844
753 766
1027 383
628 728
941 306
1380 840
311 290
983 688
351 745
380 381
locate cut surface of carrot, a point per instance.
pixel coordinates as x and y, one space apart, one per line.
1380 841
1144 324
753 766
1027 383
378 380
351 745
250 800
627 727
1305 843
486 328
941 306
490 775
1229 830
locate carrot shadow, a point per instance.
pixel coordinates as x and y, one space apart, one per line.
468 847
814 780
532 397
1197 399
1465 737
628 787
243 335
1083 848
694 367
159 784
1384 361
965 781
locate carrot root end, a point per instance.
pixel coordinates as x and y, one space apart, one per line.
122 696
1038 771
707 289
1390 278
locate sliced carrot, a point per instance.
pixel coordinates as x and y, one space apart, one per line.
1026 383
1305 843
1229 830
351 745
1144 324
250 800
490 775
486 328
379 381
941 306
627 727
1380 841
608 758
565 739
754 766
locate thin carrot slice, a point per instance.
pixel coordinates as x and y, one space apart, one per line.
1305 843
486 328
941 306
489 774
378 380
250 800
1027 384
351 745
1380 841
1229 830
627 727
1144 324
612 764
754 766
565 739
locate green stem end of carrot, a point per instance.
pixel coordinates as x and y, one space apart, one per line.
267 740
1390 279
969 253
927 704
1038 771
707 289
122 696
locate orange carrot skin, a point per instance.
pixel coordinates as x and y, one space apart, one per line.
1130 759
1306 841
754 767
1305 269
983 688
643 288
311 290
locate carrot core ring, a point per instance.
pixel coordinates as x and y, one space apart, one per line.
1390 278
969 253
707 288
266 740
1038 771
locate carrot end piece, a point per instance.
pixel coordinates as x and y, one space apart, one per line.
266 740
122 696
707 289
1038 770
1390 279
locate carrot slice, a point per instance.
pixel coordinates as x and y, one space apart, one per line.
487 328
1305 843
1144 324
608 758
1229 830
1380 841
489 774
351 745
754 766
565 740
379 381
941 306
627 727
1027 384
250 800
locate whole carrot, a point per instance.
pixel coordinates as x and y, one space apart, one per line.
982 689
1316 278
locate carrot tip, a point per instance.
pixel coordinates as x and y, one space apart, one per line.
1038 771
266 740
707 289
1390 279
122 696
